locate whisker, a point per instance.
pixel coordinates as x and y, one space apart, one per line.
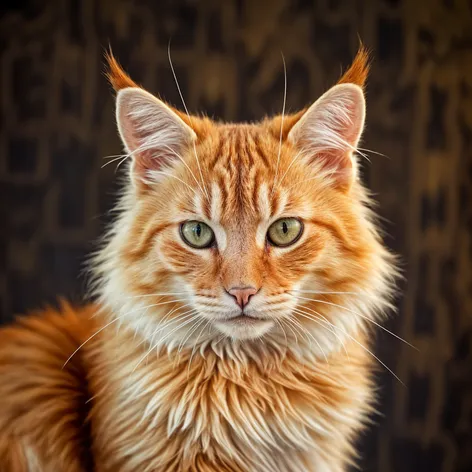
119 163
91 337
316 341
113 155
364 348
164 324
175 177
189 334
102 328
187 166
153 346
289 167
162 294
283 331
281 124
331 327
326 293
289 322
362 316
190 315
188 115
115 158
374 152
195 346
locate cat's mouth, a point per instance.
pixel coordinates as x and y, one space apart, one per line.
243 318
244 326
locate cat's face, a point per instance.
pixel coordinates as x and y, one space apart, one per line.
233 230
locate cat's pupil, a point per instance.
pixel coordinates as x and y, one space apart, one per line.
198 231
284 227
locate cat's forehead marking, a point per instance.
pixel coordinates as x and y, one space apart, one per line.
198 206
215 204
263 201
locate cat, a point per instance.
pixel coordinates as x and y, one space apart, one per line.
235 296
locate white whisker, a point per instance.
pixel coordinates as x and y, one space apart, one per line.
91 337
161 294
331 326
154 346
281 125
326 293
116 158
363 317
369 352
187 166
195 347
167 174
305 330
188 115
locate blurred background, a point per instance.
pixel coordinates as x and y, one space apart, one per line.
57 126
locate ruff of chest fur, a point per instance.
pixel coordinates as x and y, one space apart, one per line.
236 406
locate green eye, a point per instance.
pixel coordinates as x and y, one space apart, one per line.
197 234
285 232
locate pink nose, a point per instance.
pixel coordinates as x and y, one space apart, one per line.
242 294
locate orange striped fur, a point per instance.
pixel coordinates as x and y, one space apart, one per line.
157 375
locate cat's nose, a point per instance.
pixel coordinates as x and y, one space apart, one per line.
242 294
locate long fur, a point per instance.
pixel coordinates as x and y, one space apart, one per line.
155 376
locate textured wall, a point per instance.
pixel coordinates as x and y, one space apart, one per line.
57 125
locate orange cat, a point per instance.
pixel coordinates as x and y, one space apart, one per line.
236 291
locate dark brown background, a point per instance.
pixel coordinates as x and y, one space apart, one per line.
57 125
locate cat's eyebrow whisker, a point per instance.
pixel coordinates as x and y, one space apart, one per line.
281 125
303 181
362 347
188 115
167 174
187 166
299 153
363 317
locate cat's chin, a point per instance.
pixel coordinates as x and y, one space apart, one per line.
244 327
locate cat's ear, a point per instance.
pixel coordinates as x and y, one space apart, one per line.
329 131
154 135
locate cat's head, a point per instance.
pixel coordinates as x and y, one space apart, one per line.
244 231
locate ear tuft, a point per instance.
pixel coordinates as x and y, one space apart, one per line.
359 70
117 77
